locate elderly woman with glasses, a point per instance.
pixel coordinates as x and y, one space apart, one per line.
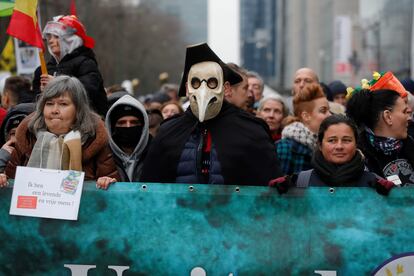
64 134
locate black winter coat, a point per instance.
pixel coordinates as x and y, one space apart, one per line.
400 164
244 147
82 64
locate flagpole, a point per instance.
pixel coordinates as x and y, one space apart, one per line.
24 25
42 62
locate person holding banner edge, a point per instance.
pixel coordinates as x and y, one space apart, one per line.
336 161
63 134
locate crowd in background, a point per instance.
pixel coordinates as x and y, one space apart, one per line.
320 135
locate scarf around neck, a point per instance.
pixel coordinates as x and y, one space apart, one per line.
300 133
386 145
338 175
63 152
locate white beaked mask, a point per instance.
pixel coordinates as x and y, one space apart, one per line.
205 89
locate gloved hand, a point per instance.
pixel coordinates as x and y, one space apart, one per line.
282 184
383 186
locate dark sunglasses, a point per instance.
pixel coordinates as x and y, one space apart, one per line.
212 83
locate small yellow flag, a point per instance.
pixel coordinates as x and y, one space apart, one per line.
7 58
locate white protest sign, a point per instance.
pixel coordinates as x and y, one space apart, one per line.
27 57
47 193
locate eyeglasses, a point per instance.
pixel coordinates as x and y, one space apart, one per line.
212 83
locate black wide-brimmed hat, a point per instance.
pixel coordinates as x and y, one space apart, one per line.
200 53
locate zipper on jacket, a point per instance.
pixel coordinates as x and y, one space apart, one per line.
202 177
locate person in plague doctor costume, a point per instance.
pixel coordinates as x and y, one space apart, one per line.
212 142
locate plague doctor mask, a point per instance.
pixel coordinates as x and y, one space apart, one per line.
203 81
205 89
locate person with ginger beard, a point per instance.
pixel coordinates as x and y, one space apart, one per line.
304 77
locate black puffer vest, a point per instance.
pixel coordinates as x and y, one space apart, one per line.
189 165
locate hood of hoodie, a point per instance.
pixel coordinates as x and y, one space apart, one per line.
128 161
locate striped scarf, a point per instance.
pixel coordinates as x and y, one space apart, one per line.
62 152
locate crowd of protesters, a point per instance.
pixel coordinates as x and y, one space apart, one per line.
216 127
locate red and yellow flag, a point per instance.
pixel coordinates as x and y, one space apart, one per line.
23 23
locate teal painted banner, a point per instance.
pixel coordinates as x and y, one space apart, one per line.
170 229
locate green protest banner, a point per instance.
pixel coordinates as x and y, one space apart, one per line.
173 229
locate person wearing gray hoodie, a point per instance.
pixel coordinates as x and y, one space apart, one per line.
128 128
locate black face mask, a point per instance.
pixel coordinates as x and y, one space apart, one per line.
127 136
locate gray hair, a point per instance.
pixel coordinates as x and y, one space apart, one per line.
85 120
274 97
252 74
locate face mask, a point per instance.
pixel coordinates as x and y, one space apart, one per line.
205 89
127 136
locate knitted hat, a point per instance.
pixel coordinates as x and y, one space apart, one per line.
122 110
337 87
12 122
